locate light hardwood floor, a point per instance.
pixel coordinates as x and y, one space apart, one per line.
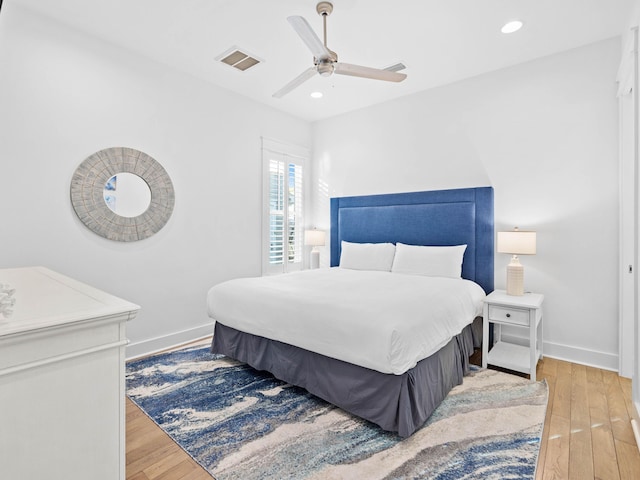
587 432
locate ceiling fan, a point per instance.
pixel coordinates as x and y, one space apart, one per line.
325 61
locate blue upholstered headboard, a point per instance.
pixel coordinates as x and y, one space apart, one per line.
440 217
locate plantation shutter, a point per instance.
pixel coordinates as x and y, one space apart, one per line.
283 214
276 212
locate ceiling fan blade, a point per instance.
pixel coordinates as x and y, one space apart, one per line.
309 37
296 82
396 67
367 72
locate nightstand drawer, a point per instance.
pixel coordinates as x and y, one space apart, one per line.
508 315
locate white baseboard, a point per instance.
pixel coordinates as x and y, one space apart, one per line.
591 358
636 431
152 345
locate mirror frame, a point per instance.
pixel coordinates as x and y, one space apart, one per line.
87 186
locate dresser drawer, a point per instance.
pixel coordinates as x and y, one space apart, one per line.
508 315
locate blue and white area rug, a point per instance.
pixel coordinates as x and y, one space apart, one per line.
239 423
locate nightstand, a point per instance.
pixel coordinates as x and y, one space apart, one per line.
524 311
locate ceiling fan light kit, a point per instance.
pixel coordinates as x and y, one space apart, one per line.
325 68
325 61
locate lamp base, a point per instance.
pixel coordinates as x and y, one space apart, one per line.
314 259
515 277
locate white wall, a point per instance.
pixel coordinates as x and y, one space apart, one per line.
65 95
544 134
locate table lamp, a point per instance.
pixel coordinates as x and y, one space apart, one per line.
315 238
516 242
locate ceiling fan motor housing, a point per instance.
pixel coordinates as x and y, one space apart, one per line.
325 67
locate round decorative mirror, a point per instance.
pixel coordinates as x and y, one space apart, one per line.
122 194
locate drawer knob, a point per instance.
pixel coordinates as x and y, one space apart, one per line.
508 315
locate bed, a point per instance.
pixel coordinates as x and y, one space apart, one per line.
397 392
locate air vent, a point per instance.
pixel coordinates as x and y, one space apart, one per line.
238 59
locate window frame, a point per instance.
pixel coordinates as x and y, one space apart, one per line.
289 154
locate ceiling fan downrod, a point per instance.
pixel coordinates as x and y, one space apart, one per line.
324 9
325 65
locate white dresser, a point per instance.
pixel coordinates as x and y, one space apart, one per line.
62 384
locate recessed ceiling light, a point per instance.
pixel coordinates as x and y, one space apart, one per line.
512 26
316 94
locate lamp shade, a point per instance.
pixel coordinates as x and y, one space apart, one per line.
517 242
314 237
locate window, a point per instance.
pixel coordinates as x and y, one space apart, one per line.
283 207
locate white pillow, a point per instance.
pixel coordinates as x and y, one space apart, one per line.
367 256
429 261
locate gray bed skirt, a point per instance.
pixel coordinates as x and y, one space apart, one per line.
397 403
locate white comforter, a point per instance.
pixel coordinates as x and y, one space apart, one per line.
379 320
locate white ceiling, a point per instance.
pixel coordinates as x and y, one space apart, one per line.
440 41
